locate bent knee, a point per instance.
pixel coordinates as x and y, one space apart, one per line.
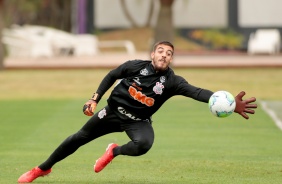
143 146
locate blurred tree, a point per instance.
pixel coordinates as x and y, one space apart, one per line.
164 29
1 28
50 13
131 19
55 14
20 12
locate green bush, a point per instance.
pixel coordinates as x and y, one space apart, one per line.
218 39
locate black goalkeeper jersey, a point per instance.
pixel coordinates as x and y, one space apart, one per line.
141 90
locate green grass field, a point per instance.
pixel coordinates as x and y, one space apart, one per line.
40 108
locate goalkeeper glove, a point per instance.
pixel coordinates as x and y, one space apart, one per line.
90 106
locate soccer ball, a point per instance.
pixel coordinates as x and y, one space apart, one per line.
222 104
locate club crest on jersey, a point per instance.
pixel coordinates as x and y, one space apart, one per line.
102 113
144 71
158 88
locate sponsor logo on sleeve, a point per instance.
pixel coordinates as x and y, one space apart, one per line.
136 79
144 72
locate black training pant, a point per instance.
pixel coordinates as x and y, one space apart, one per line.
104 122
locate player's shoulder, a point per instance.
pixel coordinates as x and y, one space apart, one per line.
174 77
138 62
171 74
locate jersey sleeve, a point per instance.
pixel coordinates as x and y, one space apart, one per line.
188 90
120 72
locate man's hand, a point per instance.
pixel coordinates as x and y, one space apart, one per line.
89 107
244 106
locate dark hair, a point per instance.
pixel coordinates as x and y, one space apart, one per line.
163 43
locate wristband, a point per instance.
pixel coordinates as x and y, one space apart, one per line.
95 97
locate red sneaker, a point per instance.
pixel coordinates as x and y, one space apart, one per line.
31 175
103 161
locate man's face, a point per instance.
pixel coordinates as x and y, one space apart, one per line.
162 57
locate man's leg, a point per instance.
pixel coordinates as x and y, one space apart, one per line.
141 134
96 126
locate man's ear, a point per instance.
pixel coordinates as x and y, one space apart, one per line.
152 55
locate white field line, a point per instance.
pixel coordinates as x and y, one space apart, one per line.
272 114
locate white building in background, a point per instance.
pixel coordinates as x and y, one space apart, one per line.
244 16
186 13
192 13
260 13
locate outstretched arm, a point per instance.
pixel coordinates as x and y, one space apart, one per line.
118 73
90 106
244 106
